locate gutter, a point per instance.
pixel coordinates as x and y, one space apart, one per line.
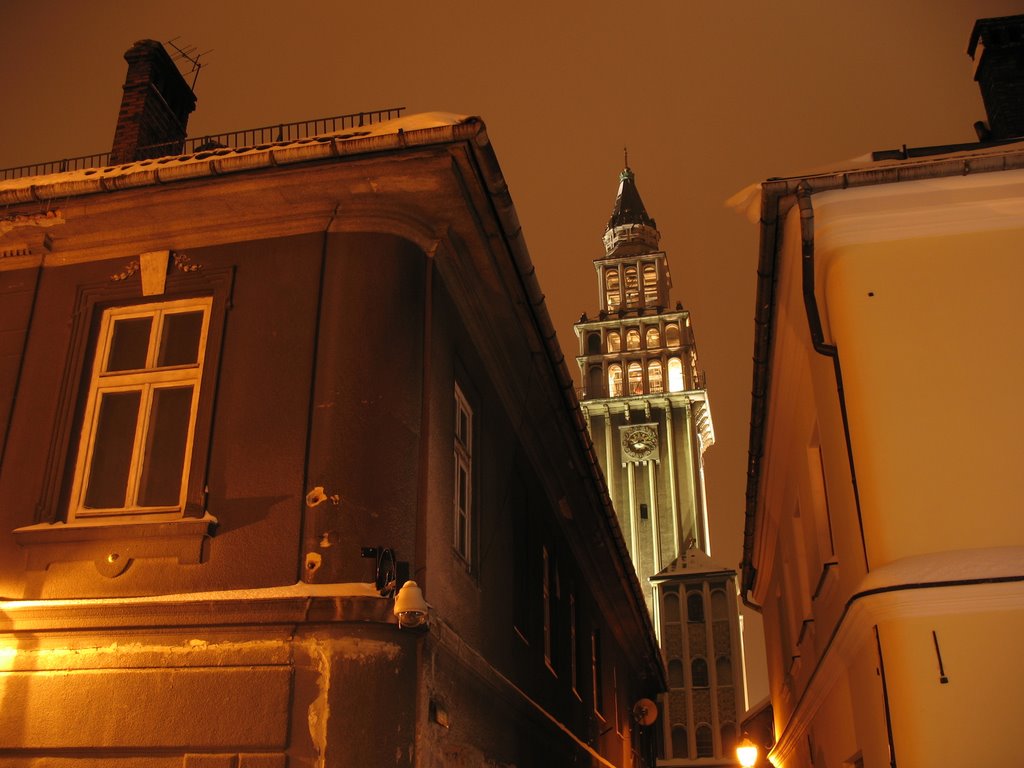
225 161
778 195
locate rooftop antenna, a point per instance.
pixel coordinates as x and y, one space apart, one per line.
188 53
625 157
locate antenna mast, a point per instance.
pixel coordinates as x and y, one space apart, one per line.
188 53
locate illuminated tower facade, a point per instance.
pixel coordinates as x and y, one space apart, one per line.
646 406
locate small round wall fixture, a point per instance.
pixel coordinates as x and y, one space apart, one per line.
645 712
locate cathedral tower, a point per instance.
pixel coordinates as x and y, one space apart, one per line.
643 393
647 409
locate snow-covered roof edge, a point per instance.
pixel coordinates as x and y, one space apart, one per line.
411 130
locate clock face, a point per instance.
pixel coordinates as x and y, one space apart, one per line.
640 442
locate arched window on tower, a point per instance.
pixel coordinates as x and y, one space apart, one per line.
675 375
615 380
632 287
672 335
728 732
614 341
670 607
719 605
653 337
593 344
675 674
705 741
654 379
694 606
699 672
595 382
611 287
679 746
632 339
650 285
636 379
723 671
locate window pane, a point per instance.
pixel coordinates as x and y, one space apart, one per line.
672 335
670 607
165 447
723 670
615 381
654 376
632 286
179 344
694 606
112 450
611 281
129 344
636 379
650 284
675 674
463 489
633 339
679 746
705 742
675 375
699 673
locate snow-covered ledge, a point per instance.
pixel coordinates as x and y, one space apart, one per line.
287 604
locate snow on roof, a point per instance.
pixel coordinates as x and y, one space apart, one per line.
988 564
422 121
747 201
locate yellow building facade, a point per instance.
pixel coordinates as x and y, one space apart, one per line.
883 541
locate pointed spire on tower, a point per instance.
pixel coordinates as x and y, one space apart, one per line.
630 229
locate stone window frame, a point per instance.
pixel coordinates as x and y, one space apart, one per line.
147 380
113 542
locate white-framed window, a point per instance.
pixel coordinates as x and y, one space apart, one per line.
463 501
140 411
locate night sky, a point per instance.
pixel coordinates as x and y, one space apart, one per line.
708 96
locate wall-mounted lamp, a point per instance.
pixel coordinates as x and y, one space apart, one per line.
410 607
746 752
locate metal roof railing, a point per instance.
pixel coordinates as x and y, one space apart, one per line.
249 137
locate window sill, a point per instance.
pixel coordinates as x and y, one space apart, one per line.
112 545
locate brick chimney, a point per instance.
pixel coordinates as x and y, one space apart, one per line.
155 107
999 71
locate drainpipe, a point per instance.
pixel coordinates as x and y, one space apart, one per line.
803 199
